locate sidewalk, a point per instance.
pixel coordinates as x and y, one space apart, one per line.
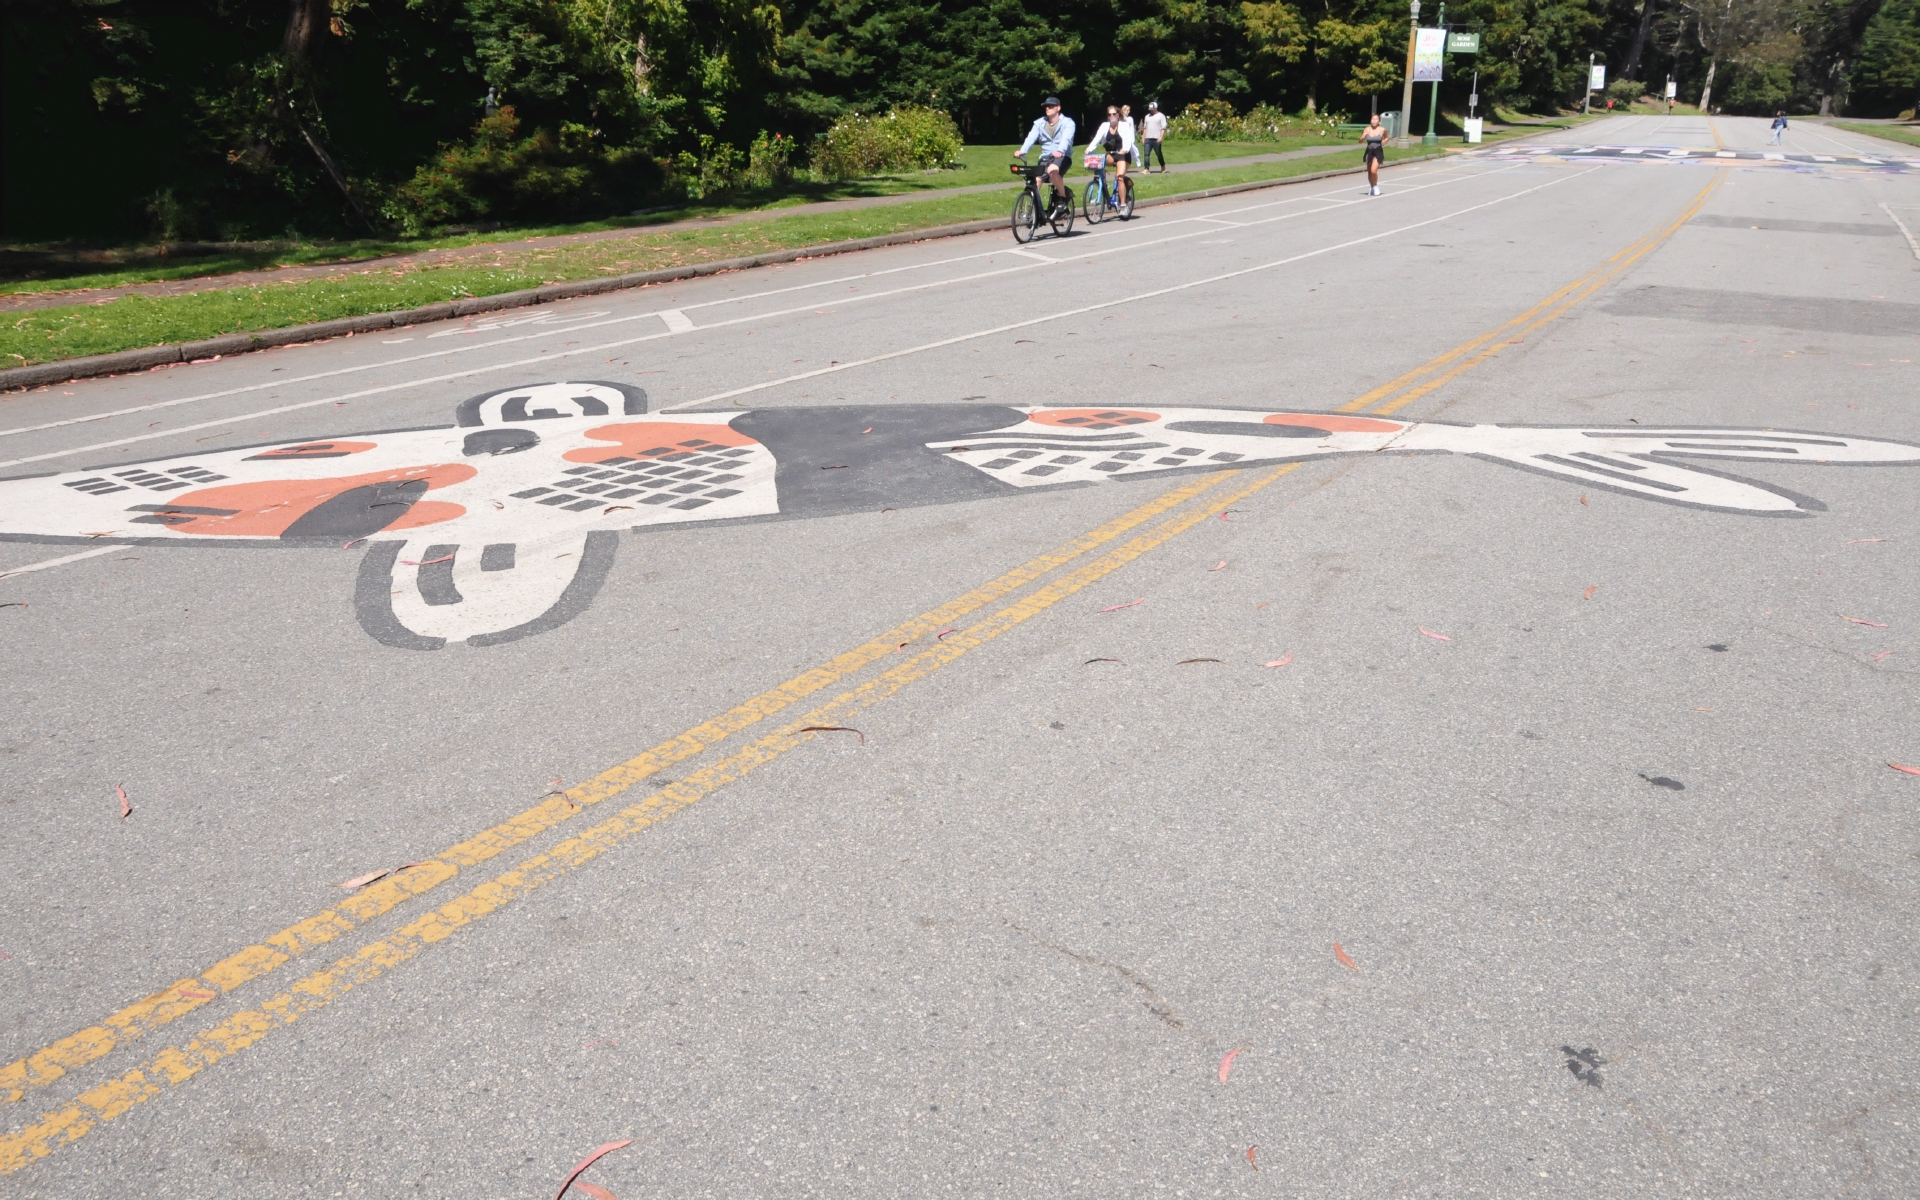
492 252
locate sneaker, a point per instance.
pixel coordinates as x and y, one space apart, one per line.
1376 191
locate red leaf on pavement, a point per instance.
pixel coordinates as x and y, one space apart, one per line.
1881 655
1280 662
350 545
1864 621
868 429
1226 1064
1225 511
1128 604
1261 605
596 1191
833 729
1857 541
1904 767
1346 961
1438 637
942 635
1219 566
1583 500
360 881
195 994
1251 1151
429 562
126 806
588 1161
1588 594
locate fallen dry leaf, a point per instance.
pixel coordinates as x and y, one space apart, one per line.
195 994
427 563
1251 1151
126 806
360 881
868 429
835 467
1583 500
1881 655
1281 661
1340 953
1864 621
615 508
901 646
1904 767
1219 566
1857 541
497 503
1128 604
1091 661
1225 511
833 729
596 1191
1261 605
1183 662
1588 594
23 604
942 635
1704 710
350 545
1438 637
589 1160
1226 1064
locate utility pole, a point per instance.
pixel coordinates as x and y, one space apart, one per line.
1586 97
1433 104
1406 94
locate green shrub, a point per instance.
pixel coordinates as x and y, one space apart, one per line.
1626 91
769 161
905 139
1215 121
498 176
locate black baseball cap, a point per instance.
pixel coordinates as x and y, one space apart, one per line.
1050 102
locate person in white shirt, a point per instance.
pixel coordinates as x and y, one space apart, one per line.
1113 142
1153 132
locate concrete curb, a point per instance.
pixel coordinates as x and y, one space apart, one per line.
127 361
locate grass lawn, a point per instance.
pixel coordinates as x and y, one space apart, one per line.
50 334
1909 134
49 269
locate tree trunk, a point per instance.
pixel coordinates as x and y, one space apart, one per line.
1706 92
1639 40
305 20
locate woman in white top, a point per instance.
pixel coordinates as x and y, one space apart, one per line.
1113 141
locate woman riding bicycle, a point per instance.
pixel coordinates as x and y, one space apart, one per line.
1114 142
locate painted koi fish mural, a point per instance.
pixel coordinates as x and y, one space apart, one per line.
504 524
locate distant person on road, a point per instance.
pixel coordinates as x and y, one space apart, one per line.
1779 127
1054 133
1375 136
1153 132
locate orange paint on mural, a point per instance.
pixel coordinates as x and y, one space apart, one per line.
1091 418
1333 424
318 450
654 439
267 509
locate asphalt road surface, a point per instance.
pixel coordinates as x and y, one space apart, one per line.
1325 696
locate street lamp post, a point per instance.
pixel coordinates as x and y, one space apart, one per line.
1406 94
1433 105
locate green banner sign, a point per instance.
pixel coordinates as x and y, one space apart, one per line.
1463 43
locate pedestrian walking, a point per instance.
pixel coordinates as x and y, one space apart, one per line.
1154 132
1779 127
1375 136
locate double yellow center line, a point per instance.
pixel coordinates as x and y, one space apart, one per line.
175 1064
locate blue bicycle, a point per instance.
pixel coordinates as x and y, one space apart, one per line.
1109 196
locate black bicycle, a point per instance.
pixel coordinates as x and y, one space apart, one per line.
1030 210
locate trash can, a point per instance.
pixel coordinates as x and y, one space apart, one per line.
1474 125
1392 121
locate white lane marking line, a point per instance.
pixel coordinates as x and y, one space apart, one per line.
1912 244
1075 312
1218 221
44 563
549 331
677 321
602 347
1030 254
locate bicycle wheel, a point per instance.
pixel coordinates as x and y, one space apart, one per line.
1026 217
1126 198
1061 218
1095 202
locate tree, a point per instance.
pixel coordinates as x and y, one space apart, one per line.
1888 73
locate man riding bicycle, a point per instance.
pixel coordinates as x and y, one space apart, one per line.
1054 132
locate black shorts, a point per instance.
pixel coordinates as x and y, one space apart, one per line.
1047 160
1376 154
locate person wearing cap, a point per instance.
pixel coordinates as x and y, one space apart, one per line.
1153 131
1054 132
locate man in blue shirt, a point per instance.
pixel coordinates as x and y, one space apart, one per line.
1055 133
